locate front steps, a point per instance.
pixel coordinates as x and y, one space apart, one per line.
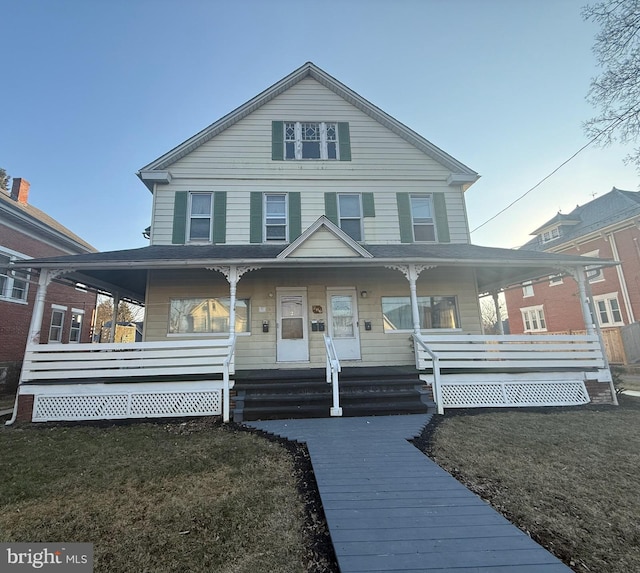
282 394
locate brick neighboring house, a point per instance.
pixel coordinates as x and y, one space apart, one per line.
26 232
607 228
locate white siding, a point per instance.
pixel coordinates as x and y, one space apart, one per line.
238 161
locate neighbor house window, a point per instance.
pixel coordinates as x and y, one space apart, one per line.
14 283
555 280
57 324
311 140
206 315
75 330
533 319
424 228
200 216
608 310
527 289
434 312
350 214
594 274
550 235
275 216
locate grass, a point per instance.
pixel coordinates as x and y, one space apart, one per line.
193 496
568 477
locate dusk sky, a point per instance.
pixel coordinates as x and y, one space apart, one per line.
94 90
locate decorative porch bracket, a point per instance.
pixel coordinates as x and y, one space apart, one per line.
233 274
411 273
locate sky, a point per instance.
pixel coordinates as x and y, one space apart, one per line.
94 90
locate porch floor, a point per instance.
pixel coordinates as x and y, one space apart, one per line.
390 508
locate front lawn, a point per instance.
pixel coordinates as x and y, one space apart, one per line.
569 477
163 497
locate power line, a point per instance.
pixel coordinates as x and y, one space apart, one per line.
592 140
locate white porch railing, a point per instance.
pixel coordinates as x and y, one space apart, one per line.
510 370
71 373
333 369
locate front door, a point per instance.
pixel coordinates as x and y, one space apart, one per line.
342 307
292 339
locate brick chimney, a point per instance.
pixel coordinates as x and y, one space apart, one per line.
20 190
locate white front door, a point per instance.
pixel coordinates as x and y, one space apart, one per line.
292 339
342 305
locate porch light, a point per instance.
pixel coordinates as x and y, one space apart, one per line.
364 294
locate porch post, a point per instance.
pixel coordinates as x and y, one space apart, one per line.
496 304
585 303
233 288
35 327
412 275
114 316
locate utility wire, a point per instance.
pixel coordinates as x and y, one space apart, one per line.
592 140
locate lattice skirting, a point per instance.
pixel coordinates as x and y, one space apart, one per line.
131 404
513 394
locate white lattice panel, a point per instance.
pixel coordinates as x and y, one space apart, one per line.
79 407
513 394
176 404
126 405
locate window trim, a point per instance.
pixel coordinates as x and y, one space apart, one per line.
555 280
360 218
265 225
10 278
76 312
57 309
432 208
527 289
539 317
408 298
298 141
191 216
607 298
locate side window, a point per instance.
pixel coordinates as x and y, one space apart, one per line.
200 216
75 331
57 324
14 283
275 217
424 229
350 214
527 289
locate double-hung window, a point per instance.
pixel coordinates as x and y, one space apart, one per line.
275 216
207 315
57 323
527 289
550 235
424 228
350 214
75 330
14 283
593 272
200 217
533 319
433 312
608 309
311 140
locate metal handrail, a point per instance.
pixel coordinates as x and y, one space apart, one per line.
333 369
435 359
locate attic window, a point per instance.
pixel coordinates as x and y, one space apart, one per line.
550 235
311 140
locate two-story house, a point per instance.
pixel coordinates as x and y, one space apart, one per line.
308 214
606 227
26 232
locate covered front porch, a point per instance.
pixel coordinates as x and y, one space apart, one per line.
411 306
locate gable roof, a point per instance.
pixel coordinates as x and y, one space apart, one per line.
613 207
341 240
461 174
32 216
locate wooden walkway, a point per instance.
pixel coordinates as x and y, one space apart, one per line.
390 508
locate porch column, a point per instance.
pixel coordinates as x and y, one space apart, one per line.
35 326
412 272
496 304
233 274
114 316
585 302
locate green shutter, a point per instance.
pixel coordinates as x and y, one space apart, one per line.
331 207
442 222
277 140
220 217
368 205
179 217
295 216
404 217
344 141
255 217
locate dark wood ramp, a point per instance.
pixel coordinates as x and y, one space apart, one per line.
390 508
